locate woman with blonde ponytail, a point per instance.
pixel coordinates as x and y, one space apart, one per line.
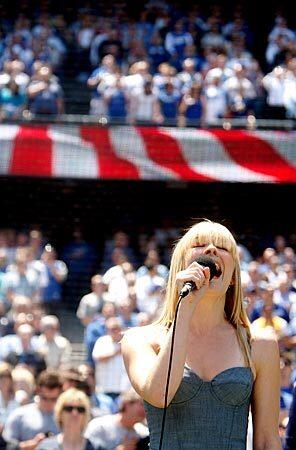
217 369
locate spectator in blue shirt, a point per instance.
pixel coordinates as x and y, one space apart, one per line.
192 107
54 273
157 52
45 94
96 328
12 101
169 99
176 40
116 101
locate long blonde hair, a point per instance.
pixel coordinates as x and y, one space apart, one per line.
235 313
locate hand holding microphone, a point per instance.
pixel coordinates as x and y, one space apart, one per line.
195 277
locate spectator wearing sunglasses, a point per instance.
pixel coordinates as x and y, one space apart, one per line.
72 414
30 424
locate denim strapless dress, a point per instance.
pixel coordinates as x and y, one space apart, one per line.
205 415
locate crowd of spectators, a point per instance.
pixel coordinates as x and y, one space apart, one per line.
127 291
163 66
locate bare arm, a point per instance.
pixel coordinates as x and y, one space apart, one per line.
93 82
148 369
36 88
266 394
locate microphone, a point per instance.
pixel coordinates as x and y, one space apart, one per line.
205 261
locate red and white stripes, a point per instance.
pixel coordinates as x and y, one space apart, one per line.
148 153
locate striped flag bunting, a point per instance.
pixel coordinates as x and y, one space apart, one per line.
147 153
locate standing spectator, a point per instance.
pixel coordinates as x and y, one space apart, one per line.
117 280
96 328
240 92
269 320
290 88
156 52
213 40
169 99
266 293
278 39
21 279
25 349
176 41
145 107
189 75
126 315
36 239
72 414
100 78
121 431
28 424
92 303
8 402
274 271
151 260
215 98
24 385
45 94
116 100
111 377
274 84
119 241
166 73
54 274
283 295
12 101
192 108
55 348
149 290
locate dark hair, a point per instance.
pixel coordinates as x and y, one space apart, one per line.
49 379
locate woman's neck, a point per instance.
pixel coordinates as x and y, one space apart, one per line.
208 315
72 438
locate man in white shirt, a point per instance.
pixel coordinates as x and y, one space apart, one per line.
121 431
91 304
55 348
111 377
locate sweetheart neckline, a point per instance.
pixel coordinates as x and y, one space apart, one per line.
218 374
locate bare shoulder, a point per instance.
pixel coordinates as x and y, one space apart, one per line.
265 350
149 335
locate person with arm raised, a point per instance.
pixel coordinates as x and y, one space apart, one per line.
218 369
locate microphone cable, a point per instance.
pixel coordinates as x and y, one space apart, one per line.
205 261
169 373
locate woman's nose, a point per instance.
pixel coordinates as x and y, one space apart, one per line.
210 250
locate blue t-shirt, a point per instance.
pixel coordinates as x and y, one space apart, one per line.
169 104
194 111
10 102
117 105
93 331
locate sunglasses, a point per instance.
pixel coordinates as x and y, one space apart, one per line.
70 408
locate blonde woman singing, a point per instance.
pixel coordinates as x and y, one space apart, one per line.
218 369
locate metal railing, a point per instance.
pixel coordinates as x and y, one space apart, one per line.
250 122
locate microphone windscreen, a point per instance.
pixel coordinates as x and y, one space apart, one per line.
207 261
